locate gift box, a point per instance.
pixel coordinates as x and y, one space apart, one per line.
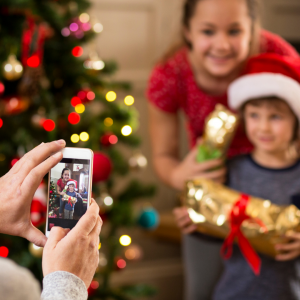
219 130
252 222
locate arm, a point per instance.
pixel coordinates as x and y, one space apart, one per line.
165 153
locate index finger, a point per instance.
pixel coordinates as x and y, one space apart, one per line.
36 156
207 165
88 221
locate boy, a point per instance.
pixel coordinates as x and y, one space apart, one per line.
70 199
269 99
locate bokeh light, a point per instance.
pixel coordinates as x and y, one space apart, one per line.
111 96
125 240
113 139
84 136
33 61
75 138
108 201
75 101
90 95
14 161
49 125
98 65
1 122
121 263
65 32
80 108
2 157
108 122
94 284
84 18
98 27
126 130
4 251
129 100
73 27
74 118
77 51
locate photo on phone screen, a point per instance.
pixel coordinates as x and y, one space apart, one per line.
68 192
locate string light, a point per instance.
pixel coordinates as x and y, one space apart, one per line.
80 108
73 27
81 94
1 122
113 139
99 246
111 96
14 161
90 95
4 251
75 101
98 27
84 18
2 87
49 125
74 118
84 136
108 122
98 65
65 32
126 130
77 51
94 284
125 240
108 201
75 138
129 100
121 263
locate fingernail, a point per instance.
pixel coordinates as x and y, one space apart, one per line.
56 155
61 142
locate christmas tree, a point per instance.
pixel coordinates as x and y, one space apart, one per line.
50 89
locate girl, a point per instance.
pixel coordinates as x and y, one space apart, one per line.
269 101
219 36
61 183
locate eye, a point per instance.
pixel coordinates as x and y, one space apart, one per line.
234 32
276 117
253 115
208 32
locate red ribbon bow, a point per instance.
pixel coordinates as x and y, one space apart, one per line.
70 202
237 216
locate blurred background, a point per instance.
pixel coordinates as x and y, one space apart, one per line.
134 34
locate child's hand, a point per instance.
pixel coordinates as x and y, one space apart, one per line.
183 220
291 250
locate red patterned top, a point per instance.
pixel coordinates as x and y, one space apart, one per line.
172 86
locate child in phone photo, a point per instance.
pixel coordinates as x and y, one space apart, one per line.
268 99
70 201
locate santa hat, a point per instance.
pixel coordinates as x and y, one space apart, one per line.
71 182
268 75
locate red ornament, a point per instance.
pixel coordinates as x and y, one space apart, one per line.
1 122
108 139
90 95
101 168
77 51
4 251
86 95
75 101
33 61
74 118
49 125
38 206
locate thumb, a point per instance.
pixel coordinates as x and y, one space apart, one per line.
56 235
35 236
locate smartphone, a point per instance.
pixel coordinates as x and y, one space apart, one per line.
69 188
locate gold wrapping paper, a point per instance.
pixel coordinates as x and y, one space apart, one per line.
66 198
209 205
219 130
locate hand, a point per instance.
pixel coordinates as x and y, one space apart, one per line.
75 251
189 169
291 250
183 220
18 187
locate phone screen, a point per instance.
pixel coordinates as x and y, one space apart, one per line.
68 192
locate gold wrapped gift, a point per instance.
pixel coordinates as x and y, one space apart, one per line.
69 198
210 205
219 130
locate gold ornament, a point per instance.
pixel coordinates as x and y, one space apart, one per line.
209 206
35 250
12 68
219 130
138 161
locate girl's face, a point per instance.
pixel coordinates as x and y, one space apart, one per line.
220 35
270 128
66 175
71 188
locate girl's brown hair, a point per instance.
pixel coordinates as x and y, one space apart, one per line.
188 12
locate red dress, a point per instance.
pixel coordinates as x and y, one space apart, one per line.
172 86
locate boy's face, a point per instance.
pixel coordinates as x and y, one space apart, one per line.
71 188
270 128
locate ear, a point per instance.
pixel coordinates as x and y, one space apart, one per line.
187 34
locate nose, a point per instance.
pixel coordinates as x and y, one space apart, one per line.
264 124
222 42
